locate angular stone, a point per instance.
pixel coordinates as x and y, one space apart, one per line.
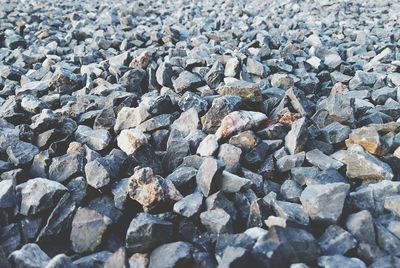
364 166
340 261
192 100
164 74
230 155
130 139
131 117
336 241
369 139
335 133
22 152
189 205
239 121
217 221
180 255
88 228
66 166
322 161
30 256
392 203
97 259
105 119
361 226
176 151
7 194
297 137
207 175
208 146
246 90
220 108
324 202
39 195
146 232
186 81
95 139
288 162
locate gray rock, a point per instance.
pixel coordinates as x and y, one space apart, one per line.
369 139
7 194
66 166
130 117
189 205
335 133
164 74
288 162
364 166
180 255
131 139
186 81
40 194
230 155
208 146
324 202
297 137
120 192
88 228
117 259
207 174
146 232
336 241
97 259
392 203
60 261
340 261
95 139
22 152
361 226
192 100
322 161
29 256
217 221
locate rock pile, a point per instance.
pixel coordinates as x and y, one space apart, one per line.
199 133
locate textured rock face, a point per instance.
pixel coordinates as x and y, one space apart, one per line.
199 133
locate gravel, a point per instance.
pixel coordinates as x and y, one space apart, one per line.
199 134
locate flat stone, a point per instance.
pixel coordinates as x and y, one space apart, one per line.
130 117
322 161
66 166
208 146
239 121
189 205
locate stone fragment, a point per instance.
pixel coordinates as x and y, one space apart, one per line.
30 255
207 174
217 220
186 81
179 255
297 137
22 152
336 241
239 121
88 228
246 90
130 139
369 139
189 205
364 166
146 232
95 139
324 202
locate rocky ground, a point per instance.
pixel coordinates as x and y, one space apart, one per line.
199 133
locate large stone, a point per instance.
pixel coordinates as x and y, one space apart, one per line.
217 220
369 139
131 117
22 152
40 194
29 256
131 139
239 121
364 166
146 232
88 228
324 202
186 81
66 166
96 139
